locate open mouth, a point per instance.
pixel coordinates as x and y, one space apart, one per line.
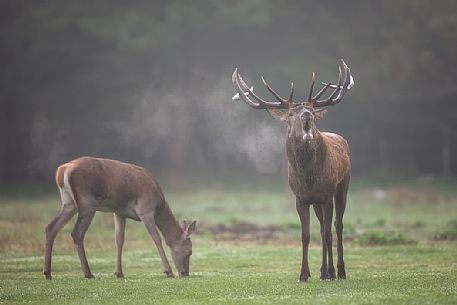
307 136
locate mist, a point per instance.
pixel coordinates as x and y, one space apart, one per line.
150 84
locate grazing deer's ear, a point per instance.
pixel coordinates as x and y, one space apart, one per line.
319 113
184 225
191 228
279 114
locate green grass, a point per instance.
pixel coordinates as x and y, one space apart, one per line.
241 275
403 262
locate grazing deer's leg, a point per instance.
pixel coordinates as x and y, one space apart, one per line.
66 212
119 228
328 215
303 213
320 216
149 222
85 217
340 206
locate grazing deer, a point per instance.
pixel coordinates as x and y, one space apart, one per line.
318 162
87 185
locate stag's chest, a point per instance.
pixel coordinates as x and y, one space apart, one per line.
312 187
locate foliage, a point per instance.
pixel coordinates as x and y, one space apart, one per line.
448 232
384 238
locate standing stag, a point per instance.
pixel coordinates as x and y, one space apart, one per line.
318 162
87 185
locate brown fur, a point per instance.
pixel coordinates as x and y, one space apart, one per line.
91 184
319 171
315 170
319 165
319 174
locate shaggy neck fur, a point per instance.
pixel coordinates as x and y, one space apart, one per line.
305 157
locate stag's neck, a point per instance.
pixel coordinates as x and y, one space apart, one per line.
306 158
168 225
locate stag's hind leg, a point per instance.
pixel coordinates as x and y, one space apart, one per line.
340 206
66 212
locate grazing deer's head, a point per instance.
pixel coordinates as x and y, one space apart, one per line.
181 249
300 116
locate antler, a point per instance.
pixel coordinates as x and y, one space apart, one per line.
340 88
245 93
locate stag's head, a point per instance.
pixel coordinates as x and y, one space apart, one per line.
181 249
299 115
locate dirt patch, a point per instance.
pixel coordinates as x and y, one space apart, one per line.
240 232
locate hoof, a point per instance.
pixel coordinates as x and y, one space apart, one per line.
47 275
304 276
169 274
119 275
89 276
341 275
341 271
331 275
324 275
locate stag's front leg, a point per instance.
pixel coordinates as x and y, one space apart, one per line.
320 216
328 216
303 213
149 222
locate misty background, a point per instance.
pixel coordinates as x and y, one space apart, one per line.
149 82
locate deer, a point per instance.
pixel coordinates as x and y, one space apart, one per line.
87 185
319 166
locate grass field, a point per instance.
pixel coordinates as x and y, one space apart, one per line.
400 249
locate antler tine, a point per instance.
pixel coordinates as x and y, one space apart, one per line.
329 101
241 93
348 81
266 104
291 94
320 92
347 84
311 87
272 91
240 87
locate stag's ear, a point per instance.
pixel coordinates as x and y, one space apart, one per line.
190 228
319 113
279 114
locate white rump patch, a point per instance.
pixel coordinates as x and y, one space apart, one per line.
66 193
